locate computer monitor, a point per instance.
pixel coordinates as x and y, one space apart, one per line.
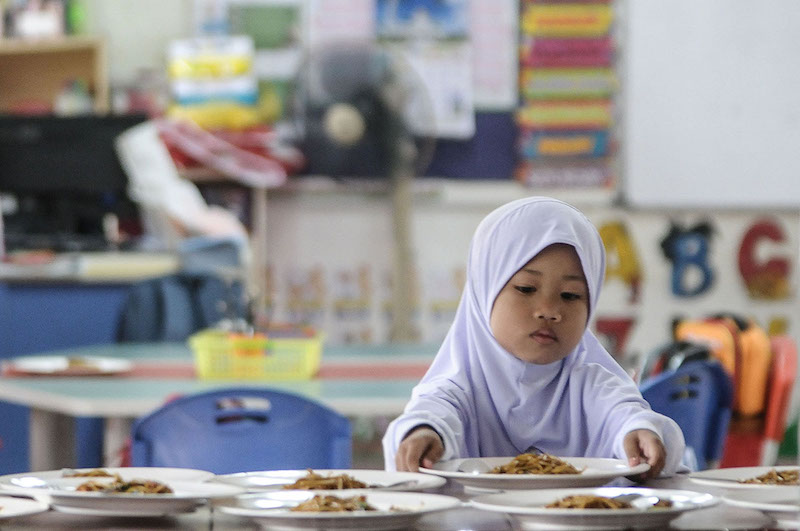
64 173
51 154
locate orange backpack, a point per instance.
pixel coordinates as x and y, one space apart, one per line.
743 349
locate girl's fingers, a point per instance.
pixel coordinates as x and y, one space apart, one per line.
645 446
632 450
655 453
432 453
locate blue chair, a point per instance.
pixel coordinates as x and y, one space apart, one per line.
240 430
698 396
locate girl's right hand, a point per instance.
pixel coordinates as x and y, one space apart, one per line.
421 446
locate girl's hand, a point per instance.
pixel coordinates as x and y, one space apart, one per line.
645 446
421 446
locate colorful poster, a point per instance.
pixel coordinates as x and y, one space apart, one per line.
568 85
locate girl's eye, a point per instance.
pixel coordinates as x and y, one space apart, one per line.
525 289
567 296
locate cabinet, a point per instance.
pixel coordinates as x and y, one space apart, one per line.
38 316
32 72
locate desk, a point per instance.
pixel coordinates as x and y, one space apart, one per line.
464 518
54 402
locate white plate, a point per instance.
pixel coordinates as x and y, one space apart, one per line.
186 497
270 509
596 471
376 479
38 481
69 365
13 507
528 507
729 478
781 504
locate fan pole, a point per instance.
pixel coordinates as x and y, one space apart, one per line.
258 266
403 285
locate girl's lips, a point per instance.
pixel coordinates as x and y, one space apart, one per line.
544 337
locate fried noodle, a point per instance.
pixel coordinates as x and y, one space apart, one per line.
535 464
138 486
588 501
775 477
327 503
314 481
579 501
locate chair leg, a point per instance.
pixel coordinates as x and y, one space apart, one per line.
769 453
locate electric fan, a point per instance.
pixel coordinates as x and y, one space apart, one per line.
360 112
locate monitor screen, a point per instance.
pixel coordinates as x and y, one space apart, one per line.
50 154
66 177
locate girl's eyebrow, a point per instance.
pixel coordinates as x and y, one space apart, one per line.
565 277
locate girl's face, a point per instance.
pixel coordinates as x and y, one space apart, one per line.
541 313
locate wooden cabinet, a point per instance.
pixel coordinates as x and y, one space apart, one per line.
32 72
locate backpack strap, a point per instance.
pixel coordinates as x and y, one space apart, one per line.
734 330
177 309
141 313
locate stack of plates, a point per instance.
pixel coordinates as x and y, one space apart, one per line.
528 507
190 490
779 502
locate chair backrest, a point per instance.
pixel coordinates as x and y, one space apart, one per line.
172 307
698 396
756 443
782 381
744 350
671 355
242 429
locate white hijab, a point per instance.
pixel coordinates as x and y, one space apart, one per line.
505 404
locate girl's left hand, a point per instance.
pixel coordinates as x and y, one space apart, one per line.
645 446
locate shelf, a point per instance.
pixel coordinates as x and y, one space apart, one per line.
33 71
449 192
481 193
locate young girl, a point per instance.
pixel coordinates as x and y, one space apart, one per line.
519 368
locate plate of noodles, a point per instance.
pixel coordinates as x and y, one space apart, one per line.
594 508
37 483
364 509
132 496
67 366
782 505
749 477
331 479
531 471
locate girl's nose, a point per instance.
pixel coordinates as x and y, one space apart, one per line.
547 314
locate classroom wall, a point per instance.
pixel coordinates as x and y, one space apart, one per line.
330 254
137 32
330 263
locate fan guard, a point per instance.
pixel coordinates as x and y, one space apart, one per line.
354 107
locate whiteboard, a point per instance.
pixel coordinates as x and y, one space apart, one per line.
710 102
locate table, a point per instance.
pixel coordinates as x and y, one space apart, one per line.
355 381
466 518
